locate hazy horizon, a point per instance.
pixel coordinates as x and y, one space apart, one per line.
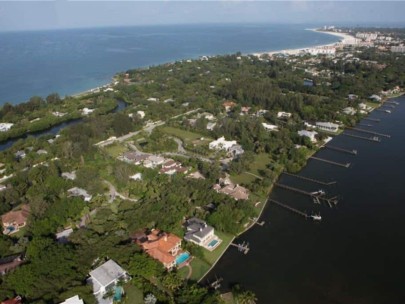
55 15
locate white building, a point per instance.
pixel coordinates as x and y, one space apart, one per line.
327 126
75 191
199 233
269 127
106 276
211 125
221 144
137 176
309 134
326 50
349 111
58 114
141 114
5 126
398 49
153 99
73 300
283 115
87 111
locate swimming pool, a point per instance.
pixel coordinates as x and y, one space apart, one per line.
212 243
182 258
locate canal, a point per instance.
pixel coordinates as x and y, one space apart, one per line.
356 253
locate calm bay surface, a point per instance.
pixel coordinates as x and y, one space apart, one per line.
72 61
356 254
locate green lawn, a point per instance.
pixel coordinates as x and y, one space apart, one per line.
115 149
212 256
182 134
259 163
200 267
133 295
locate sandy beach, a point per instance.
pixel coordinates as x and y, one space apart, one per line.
345 38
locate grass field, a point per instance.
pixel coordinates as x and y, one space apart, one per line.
186 136
115 149
212 256
200 267
259 163
132 295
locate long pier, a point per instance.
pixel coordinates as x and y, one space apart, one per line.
372 119
346 165
389 106
353 152
365 125
316 196
310 179
392 102
244 247
289 208
369 132
374 138
385 111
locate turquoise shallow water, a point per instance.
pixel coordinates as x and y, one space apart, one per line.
71 61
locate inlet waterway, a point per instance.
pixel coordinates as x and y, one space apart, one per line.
356 253
121 105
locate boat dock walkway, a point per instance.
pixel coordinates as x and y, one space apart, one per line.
310 179
392 102
353 152
372 119
365 125
317 196
244 247
346 165
289 208
374 138
369 132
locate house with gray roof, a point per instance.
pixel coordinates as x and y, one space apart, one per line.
106 277
198 232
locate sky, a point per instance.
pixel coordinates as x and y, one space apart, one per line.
61 14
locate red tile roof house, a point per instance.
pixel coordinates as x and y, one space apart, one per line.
14 220
161 246
171 167
16 300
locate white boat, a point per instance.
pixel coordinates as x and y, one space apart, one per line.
316 217
318 193
388 111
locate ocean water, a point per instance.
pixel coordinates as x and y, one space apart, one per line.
71 61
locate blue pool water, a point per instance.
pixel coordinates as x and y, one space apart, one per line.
182 258
212 243
118 293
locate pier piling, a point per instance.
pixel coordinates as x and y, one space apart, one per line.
369 132
346 165
372 119
317 196
353 152
374 138
289 208
310 179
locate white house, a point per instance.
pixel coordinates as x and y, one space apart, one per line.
349 111
211 125
198 232
75 191
141 114
87 111
309 134
327 126
222 144
283 115
153 99
73 300
106 276
137 176
269 127
375 97
5 126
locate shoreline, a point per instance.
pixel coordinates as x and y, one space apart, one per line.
344 38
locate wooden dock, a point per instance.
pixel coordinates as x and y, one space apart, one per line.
392 102
369 132
372 119
353 152
310 179
244 247
313 195
289 208
346 165
365 125
374 138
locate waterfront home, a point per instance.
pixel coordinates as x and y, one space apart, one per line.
73 300
14 220
162 246
327 126
106 276
375 98
349 111
152 161
226 186
75 191
5 126
269 127
364 107
16 300
10 263
231 146
58 114
198 232
309 134
283 115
